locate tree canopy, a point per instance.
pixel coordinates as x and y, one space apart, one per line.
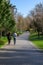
37 15
7 23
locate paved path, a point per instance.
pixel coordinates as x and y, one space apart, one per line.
23 53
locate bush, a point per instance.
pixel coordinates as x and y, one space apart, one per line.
2 42
18 33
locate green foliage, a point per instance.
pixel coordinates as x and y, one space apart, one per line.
19 32
7 22
3 40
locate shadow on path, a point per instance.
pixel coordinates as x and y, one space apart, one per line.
21 57
22 50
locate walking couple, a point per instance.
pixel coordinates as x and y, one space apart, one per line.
9 37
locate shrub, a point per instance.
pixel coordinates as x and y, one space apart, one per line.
17 33
2 42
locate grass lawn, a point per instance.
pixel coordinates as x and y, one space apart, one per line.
3 41
37 41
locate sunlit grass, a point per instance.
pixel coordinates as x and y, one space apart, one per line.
38 41
3 41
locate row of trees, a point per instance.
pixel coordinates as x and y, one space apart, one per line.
23 23
37 18
34 20
7 22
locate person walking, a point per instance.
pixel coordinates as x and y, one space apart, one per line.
14 36
9 37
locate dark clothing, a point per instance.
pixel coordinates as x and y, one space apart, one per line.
9 38
14 41
9 41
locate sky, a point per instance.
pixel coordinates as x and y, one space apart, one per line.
25 6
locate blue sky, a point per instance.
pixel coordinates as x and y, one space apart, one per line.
25 6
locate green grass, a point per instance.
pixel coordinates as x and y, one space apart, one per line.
37 41
39 44
3 41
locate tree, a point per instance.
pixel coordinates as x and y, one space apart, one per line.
27 22
23 23
6 20
20 22
37 15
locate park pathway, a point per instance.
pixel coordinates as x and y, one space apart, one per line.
23 53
